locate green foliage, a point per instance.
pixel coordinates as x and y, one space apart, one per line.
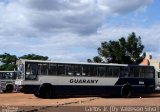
123 51
8 62
34 57
96 59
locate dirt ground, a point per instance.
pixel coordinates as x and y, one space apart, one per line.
30 103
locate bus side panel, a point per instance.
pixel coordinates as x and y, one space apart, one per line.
29 89
139 85
87 90
75 90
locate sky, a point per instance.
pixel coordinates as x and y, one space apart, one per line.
72 30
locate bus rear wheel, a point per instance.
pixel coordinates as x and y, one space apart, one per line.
45 91
126 91
9 88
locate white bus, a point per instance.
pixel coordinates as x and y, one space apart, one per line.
7 80
46 79
157 80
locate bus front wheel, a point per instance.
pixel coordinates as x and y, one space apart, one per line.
45 91
126 91
9 88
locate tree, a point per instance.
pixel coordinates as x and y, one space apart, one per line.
123 51
8 62
34 57
96 59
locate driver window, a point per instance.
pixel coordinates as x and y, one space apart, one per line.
31 71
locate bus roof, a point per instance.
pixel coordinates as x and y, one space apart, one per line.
79 63
8 71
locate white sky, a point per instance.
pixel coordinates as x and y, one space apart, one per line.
72 30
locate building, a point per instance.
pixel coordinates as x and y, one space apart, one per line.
151 62
156 63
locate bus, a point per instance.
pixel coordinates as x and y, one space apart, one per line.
47 79
7 80
157 78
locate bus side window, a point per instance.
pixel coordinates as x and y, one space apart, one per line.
114 71
61 69
101 71
92 70
77 70
124 72
72 69
108 72
69 70
86 70
1 75
44 69
149 75
14 75
149 72
6 75
142 71
136 72
131 72
83 74
52 69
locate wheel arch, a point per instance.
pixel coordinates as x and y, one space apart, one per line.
126 87
9 87
43 89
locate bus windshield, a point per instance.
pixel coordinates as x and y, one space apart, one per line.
8 75
20 71
30 71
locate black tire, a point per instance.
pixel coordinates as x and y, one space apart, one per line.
45 91
37 94
9 88
126 91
